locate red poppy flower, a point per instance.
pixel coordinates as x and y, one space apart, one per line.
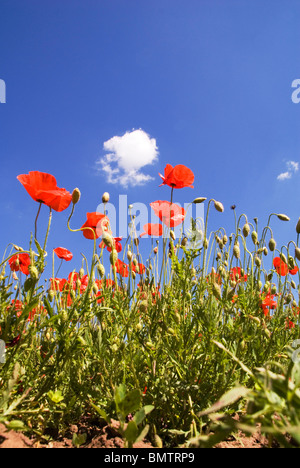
268 303
57 284
152 229
98 222
169 213
282 268
122 268
235 274
13 342
20 261
42 187
178 177
63 254
117 244
16 306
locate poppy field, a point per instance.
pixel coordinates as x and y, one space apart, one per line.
183 349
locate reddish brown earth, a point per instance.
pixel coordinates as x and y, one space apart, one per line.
103 436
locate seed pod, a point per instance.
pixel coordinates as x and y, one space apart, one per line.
246 230
283 217
272 244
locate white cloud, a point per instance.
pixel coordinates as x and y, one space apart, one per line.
292 167
126 156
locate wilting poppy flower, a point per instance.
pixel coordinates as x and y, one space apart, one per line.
63 254
169 213
177 177
20 261
117 244
42 187
282 268
235 274
122 268
152 229
98 222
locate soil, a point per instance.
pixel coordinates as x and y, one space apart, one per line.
100 435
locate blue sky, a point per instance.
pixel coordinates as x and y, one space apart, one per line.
209 82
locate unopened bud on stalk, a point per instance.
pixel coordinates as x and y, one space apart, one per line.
254 237
283 217
225 239
113 257
218 206
107 239
129 255
283 257
293 284
76 196
205 243
81 273
105 197
291 263
273 289
236 251
184 242
298 227
257 261
172 235
272 244
266 251
155 250
199 200
33 272
246 230
101 270
136 241
297 253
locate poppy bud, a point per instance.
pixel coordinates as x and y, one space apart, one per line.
105 197
101 270
218 206
293 284
254 237
291 263
76 196
33 272
283 257
172 235
236 251
225 239
184 242
273 289
113 257
81 273
246 230
107 239
297 253
265 251
199 200
283 217
298 227
129 255
257 261
136 241
155 250
205 243
272 244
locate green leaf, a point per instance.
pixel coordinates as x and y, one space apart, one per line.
131 432
101 413
79 439
15 426
142 413
55 397
227 399
143 434
130 403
